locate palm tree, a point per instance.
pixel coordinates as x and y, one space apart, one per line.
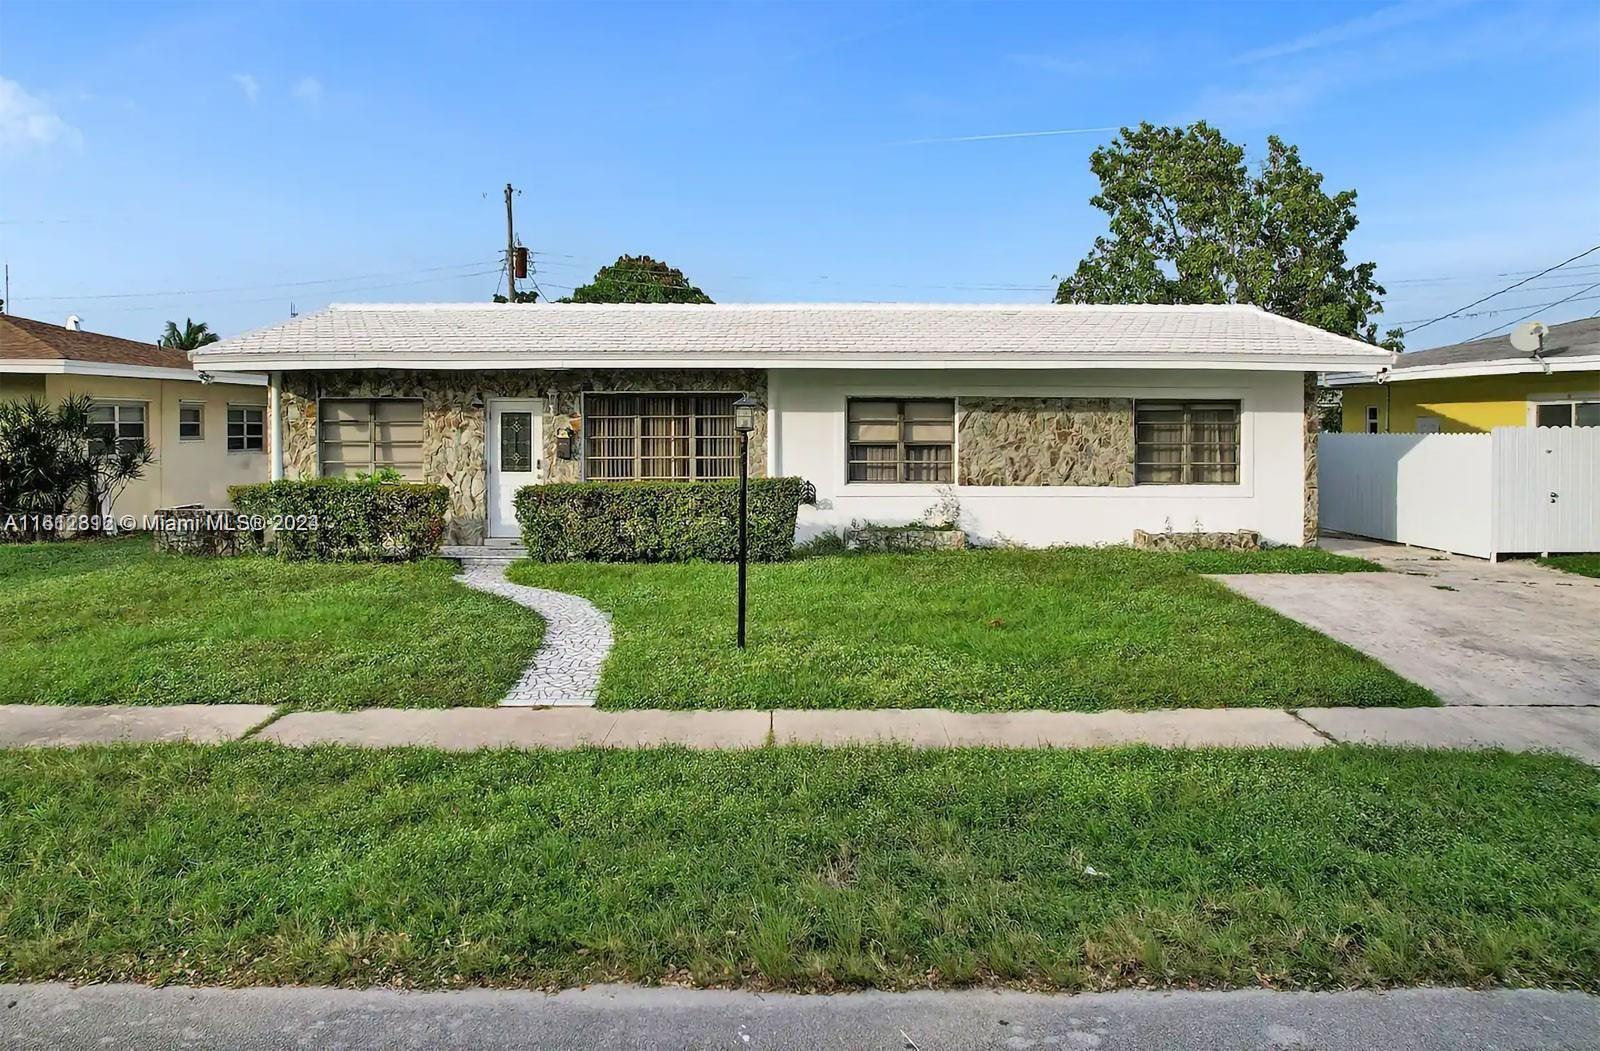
190 337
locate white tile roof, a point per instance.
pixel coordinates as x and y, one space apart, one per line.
473 335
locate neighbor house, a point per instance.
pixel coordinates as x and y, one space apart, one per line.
207 429
1476 386
1050 424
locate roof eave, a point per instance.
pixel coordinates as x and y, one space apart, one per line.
267 362
120 370
1467 369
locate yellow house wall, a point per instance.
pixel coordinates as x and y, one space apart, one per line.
185 472
17 386
1464 405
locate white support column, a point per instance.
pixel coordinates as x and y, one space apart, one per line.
772 423
275 410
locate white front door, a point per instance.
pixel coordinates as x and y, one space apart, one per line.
514 448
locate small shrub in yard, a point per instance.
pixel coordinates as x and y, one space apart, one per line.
337 519
657 521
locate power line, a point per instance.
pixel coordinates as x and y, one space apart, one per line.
340 291
1525 317
252 288
1520 306
1476 277
1508 288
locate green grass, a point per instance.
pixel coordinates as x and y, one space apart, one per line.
1584 565
799 868
114 622
1078 629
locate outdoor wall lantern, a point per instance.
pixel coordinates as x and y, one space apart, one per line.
744 421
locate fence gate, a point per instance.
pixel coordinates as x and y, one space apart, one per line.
1516 490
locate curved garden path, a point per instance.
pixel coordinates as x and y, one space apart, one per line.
577 636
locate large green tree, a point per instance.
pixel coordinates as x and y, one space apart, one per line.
638 279
190 337
1191 223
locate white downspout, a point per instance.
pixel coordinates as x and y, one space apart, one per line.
772 424
275 410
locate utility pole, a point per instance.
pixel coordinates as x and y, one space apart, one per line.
7 298
511 251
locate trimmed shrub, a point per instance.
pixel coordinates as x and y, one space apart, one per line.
338 519
657 521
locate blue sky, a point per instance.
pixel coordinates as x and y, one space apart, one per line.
232 158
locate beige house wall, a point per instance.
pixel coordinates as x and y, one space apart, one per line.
15 386
185 472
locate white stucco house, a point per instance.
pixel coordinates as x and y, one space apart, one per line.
1051 424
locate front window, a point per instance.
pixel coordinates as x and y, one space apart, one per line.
191 422
901 440
1567 414
1186 443
246 432
1372 419
360 435
122 422
659 437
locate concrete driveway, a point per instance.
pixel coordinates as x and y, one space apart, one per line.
1473 632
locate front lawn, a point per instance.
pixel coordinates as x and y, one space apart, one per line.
90 622
1078 629
799 868
1584 565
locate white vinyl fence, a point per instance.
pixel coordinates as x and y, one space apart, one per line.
1516 490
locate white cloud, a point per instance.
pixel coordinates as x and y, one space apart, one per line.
28 123
1381 21
308 90
249 85
1005 135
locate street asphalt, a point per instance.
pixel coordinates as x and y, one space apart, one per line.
619 1017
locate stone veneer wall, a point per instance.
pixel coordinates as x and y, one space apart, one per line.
454 419
1313 427
1046 441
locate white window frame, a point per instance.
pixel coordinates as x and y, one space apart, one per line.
200 407
371 464
901 401
693 458
1372 419
245 423
1186 406
117 406
1539 401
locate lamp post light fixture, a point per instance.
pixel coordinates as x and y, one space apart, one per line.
744 421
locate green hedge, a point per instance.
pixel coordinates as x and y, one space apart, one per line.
657 521
338 519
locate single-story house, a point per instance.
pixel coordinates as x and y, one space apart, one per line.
208 429
1050 424
1473 387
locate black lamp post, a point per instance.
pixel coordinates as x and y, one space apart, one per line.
744 421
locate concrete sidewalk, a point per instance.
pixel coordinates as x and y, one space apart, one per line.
64 725
1573 731
619 1017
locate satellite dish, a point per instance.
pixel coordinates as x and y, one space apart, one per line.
1528 337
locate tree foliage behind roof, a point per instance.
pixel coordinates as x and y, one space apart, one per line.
191 337
1190 223
638 279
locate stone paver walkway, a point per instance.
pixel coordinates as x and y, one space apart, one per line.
577 637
